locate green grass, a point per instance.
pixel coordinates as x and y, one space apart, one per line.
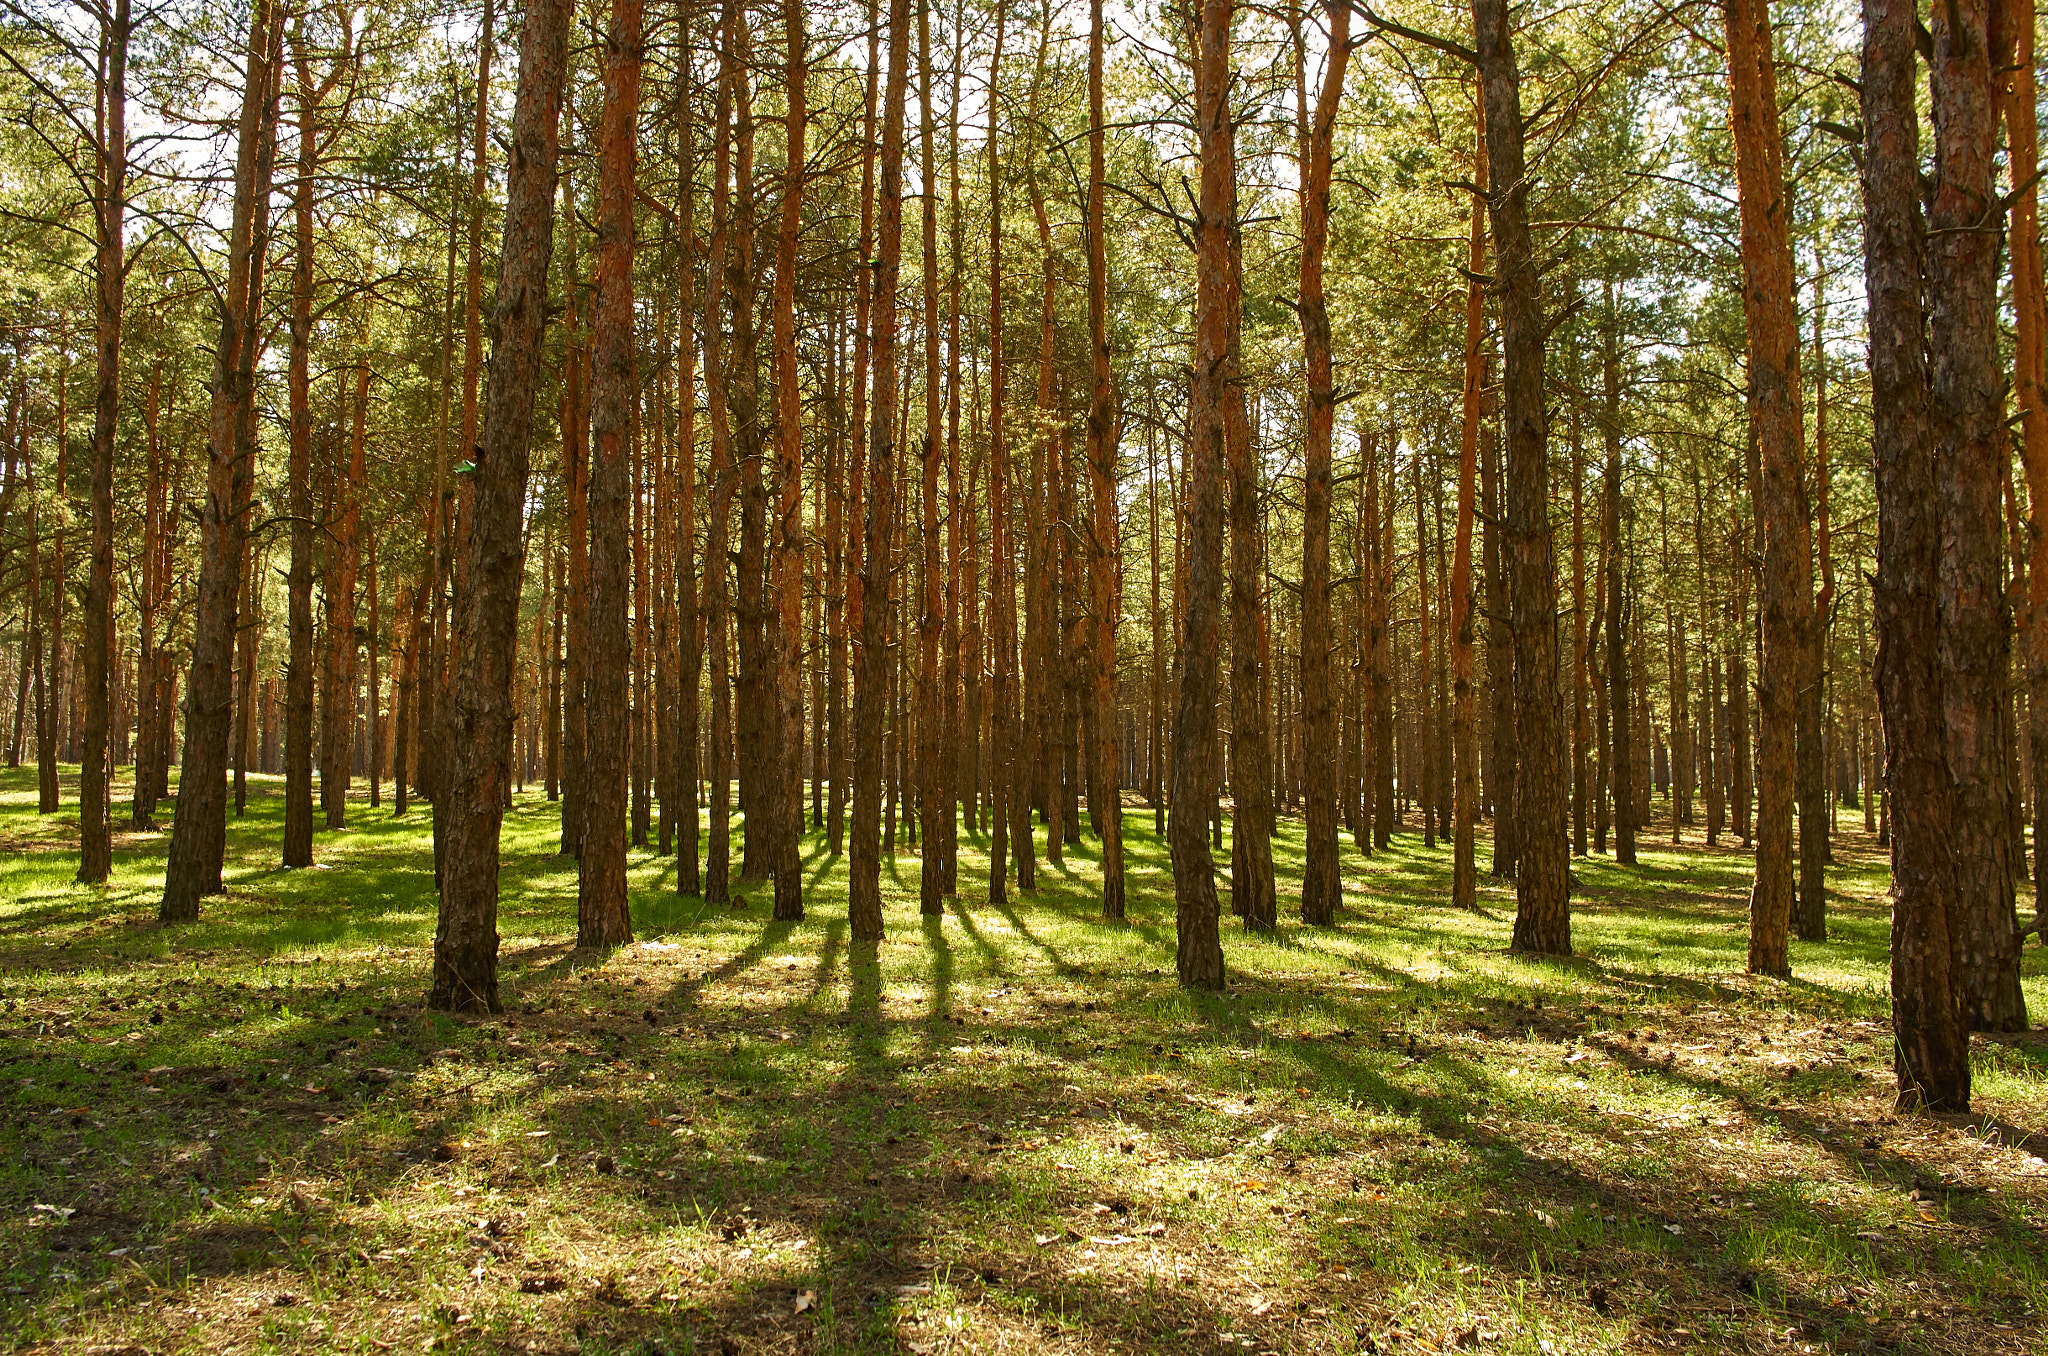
1003 1130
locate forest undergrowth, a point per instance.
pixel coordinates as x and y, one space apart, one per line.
1008 1129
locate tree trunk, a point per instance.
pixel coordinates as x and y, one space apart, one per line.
934 784
199 832
576 490
864 896
756 719
1464 734
717 611
50 686
1931 1050
96 772
785 860
480 717
338 729
2030 394
1620 709
689 625
1425 666
1004 737
1809 907
1786 593
1252 889
602 917
960 578
1542 882
1500 659
1966 413
149 661
1200 951
1104 544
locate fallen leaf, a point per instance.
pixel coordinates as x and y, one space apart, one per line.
807 1299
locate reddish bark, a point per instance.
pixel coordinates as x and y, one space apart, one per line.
602 917
1321 886
1464 724
1199 956
199 832
934 782
864 898
1931 1050
1542 884
1966 415
1770 309
786 758
2030 395
480 717
95 774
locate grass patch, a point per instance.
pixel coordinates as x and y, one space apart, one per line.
1002 1130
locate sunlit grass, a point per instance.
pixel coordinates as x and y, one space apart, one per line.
1007 1128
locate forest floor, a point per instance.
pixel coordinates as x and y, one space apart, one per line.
1005 1130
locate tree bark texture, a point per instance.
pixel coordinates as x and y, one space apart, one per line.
1931 1050
199 831
1199 957
1543 846
1770 309
602 918
95 773
1966 416
1321 883
479 724
864 893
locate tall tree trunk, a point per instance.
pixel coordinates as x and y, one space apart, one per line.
50 687
1542 883
1321 884
602 917
934 782
1967 416
480 717
373 643
2030 394
786 860
1809 907
960 580
1769 306
199 832
756 720
1620 709
1252 888
689 624
1464 732
96 772
864 895
1931 1050
1425 713
1199 956
576 490
149 661
1005 739
717 610
338 729
298 705
1104 540
1500 659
